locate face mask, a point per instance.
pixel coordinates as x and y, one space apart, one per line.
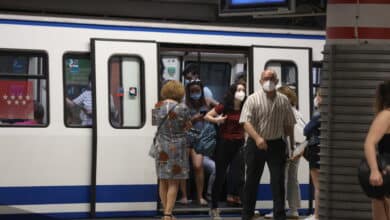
186 81
240 95
269 86
316 103
196 96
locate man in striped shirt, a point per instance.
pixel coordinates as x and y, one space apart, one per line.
268 118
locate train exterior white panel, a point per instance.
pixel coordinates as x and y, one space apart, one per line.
48 169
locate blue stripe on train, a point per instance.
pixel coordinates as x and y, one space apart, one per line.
76 215
106 193
160 30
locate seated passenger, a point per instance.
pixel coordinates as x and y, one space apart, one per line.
84 101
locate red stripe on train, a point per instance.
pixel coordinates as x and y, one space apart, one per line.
360 1
363 33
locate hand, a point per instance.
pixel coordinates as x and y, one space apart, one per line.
296 157
376 178
261 143
221 119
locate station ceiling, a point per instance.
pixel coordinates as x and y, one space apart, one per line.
310 14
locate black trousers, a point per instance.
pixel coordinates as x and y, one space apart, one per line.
226 151
275 156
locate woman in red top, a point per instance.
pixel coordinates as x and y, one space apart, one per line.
231 135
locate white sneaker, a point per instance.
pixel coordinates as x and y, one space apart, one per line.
214 214
292 214
269 215
312 217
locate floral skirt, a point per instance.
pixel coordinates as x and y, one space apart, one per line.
172 161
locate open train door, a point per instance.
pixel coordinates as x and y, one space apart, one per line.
293 66
123 175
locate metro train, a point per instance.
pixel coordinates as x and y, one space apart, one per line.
53 164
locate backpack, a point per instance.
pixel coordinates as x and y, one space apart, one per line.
207 140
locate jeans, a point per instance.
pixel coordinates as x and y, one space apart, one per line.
209 166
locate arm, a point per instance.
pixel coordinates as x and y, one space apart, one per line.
246 118
69 102
211 102
289 131
289 124
260 142
378 128
212 116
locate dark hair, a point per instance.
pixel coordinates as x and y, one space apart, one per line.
382 96
39 112
191 68
189 101
229 97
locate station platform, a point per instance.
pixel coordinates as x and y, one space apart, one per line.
189 218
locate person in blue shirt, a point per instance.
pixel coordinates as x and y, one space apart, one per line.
191 72
312 132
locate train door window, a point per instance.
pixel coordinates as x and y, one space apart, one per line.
126 91
287 72
316 71
216 76
23 88
78 93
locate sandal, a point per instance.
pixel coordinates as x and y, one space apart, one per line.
203 202
168 217
183 201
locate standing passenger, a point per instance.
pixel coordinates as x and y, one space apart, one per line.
267 117
191 72
379 135
199 106
312 132
231 137
293 193
172 159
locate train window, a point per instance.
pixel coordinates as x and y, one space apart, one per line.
23 88
78 94
126 91
287 72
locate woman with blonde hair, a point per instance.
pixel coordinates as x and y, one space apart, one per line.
379 135
171 158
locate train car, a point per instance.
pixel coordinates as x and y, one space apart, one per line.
91 159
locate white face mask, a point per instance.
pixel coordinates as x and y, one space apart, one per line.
315 101
240 95
269 86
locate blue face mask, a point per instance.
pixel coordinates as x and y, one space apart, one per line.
186 81
196 96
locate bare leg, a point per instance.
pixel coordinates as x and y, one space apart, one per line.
173 186
197 160
183 189
379 209
314 176
163 189
387 205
